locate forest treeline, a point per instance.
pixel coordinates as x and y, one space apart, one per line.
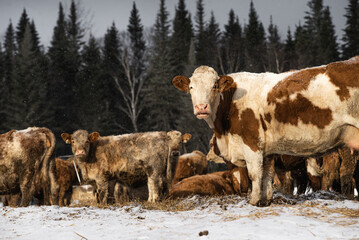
121 83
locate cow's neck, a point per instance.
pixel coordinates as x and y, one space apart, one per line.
219 121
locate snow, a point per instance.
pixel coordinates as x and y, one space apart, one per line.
323 215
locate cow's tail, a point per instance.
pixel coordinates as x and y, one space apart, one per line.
48 171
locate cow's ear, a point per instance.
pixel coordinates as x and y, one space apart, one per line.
94 136
186 137
181 83
66 137
225 83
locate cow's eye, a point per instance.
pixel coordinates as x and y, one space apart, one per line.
190 88
215 86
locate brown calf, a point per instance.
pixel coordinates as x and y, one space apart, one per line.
129 158
235 181
66 178
190 164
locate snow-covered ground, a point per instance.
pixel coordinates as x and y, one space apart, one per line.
315 216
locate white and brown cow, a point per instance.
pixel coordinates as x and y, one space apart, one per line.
129 158
27 165
301 112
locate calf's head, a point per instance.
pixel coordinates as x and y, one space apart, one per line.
205 87
175 139
80 142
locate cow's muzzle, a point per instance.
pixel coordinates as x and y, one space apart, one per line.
201 110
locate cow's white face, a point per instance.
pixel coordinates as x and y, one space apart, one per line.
204 86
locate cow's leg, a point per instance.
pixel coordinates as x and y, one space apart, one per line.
155 186
346 171
330 170
54 187
255 172
102 190
27 188
62 193
268 174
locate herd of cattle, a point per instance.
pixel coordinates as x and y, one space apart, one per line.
273 131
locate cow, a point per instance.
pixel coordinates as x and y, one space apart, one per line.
65 178
303 113
231 182
334 171
190 164
27 165
128 158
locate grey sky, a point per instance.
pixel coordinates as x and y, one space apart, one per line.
101 13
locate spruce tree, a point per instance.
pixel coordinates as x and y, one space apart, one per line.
9 62
160 100
213 34
301 47
20 29
232 46
2 88
111 66
200 35
350 39
181 38
290 57
62 81
28 95
275 55
254 43
133 61
89 96
328 47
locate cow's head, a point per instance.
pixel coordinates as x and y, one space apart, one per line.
205 87
80 142
185 168
176 139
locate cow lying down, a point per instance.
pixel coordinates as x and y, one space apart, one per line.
129 158
235 181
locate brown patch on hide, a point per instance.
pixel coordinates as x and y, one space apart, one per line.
246 125
344 75
291 111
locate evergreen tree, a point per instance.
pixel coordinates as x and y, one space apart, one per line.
301 47
133 61
138 45
254 43
290 57
275 56
213 34
9 62
200 35
20 29
35 38
181 38
160 97
111 66
2 87
89 97
28 93
232 46
328 46
62 81
313 19
350 45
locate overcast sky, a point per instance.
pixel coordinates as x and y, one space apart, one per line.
101 13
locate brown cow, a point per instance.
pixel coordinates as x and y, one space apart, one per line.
27 164
66 178
129 158
190 164
333 171
235 181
